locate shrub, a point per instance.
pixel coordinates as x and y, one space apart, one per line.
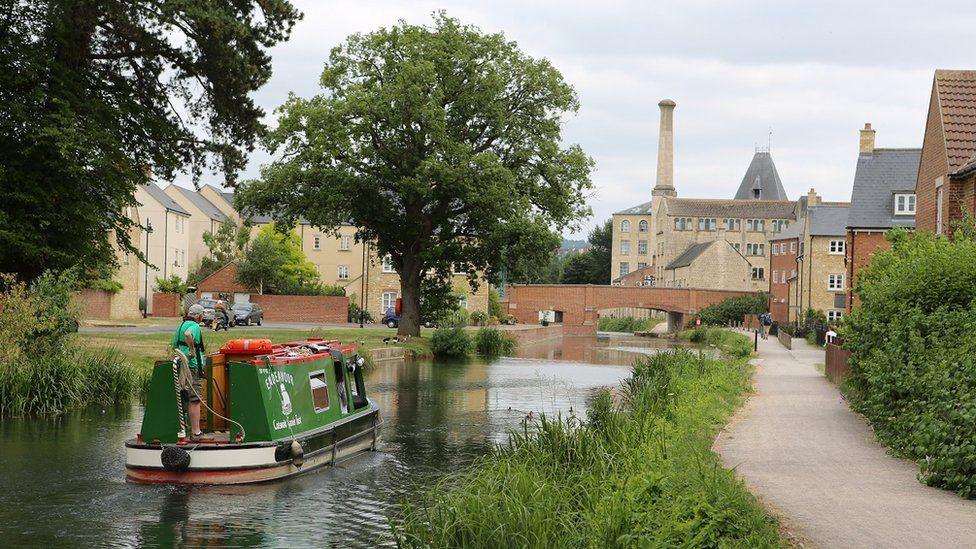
491 342
354 310
479 318
624 324
637 474
453 318
172 285
494 304
734 309
913 354
450 341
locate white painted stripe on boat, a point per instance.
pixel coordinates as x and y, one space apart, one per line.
205 459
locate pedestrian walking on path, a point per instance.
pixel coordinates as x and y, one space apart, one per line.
816 464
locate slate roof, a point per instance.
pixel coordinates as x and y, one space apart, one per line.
202 203
688 256
878 177
828 220
795 230
702 207
640 209
956 92
160 196
761 175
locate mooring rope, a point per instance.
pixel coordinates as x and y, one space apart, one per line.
185 380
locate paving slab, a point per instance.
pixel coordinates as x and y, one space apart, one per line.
816 464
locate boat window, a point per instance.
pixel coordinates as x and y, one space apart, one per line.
341 386
320 391
358 386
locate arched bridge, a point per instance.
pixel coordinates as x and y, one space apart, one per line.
580 303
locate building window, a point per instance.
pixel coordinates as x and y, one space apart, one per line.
938 208
624 268
778 225
793 273
624 247
775 277
756 225
682 223
905 204
389 300
774 251
834 316
345 242
388 264
459 267
642 226
835 282
756 249
641 247
758 274
706 224
737 246
793 247
641 265
343 272
732 224
836 247
625 226
317 242
462 301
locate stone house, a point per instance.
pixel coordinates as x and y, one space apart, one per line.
167 245
821 271
631 240
710 264
882 197
205 217
946 183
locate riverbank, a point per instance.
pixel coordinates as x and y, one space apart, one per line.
636 473
801 449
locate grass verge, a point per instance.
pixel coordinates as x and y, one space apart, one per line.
639 473
729 343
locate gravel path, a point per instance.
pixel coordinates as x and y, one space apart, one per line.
816 464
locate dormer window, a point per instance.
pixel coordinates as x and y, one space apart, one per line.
905 204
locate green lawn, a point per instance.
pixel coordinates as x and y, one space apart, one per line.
144 349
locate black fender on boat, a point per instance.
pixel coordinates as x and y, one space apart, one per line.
175 459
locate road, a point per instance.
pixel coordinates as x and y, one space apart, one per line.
816 464
160 327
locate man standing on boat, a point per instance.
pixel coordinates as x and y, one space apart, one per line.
189 339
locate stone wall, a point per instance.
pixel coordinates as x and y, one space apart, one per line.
303 308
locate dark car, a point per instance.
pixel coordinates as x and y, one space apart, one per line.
247 313
392 319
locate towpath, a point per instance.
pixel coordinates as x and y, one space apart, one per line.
816 464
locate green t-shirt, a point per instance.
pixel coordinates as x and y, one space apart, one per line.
179 342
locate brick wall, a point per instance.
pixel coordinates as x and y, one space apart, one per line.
303 308
933 164
224 280
95 304
861 247
166 305
783 264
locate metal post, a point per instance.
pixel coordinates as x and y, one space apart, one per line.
145 290
755 344
362 290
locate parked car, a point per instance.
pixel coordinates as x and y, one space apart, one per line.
209 305
247 313
392 319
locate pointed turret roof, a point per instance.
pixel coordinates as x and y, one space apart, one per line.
761 181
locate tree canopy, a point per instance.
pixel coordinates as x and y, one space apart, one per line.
274 263
441 143
97 94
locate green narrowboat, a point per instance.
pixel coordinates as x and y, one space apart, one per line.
269 411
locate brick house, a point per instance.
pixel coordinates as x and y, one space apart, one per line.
882 197
946 183
783 250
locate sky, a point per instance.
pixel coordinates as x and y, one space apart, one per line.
808 73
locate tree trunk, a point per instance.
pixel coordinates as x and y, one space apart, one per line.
410 296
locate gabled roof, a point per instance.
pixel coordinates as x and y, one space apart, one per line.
640 209
828 220
878 177
167 202
688 256
761 176
763 209
956 92
202 203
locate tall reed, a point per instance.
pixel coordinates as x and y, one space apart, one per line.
636 473
491 343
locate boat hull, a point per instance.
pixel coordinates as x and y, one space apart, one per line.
254 462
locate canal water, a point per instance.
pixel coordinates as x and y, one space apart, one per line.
62 480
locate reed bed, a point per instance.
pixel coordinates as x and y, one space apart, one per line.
637 473
490 342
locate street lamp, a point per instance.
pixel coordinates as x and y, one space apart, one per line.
145 296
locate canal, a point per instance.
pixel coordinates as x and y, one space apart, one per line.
63 481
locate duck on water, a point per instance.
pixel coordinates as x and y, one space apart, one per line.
272 411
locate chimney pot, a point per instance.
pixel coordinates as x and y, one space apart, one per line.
867 139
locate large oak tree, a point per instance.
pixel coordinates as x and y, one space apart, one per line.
441 143
96 94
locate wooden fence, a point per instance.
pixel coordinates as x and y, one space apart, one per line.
837 361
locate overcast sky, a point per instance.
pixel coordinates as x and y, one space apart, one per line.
811 72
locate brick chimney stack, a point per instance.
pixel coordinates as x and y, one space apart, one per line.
665 151
867 139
